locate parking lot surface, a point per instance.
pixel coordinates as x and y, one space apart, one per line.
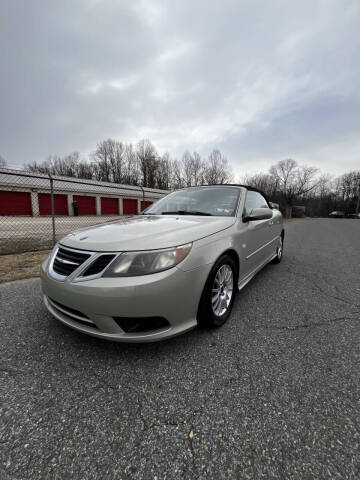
273 394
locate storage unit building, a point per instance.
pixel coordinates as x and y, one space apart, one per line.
15 203
130 206
28 193
60 204
86 204
145 204
109 206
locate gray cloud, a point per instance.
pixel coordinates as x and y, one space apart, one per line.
260 80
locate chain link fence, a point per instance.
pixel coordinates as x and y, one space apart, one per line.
36 210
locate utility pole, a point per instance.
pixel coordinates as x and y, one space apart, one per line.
143 194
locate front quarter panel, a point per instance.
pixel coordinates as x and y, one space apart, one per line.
278 221
207 250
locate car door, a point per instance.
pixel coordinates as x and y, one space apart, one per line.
257 238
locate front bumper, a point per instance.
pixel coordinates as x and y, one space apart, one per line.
91 306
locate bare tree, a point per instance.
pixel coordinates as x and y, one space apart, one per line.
217 170
186 168
293 181
263 181
132 172
35 167
104 156
164 172
347 190
85 170
176 175
147 158
69 166
189 171
66 166
346 185
323 185
197 169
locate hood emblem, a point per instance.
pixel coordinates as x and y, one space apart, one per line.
83 238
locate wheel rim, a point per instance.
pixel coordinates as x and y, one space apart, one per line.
280 249
222 290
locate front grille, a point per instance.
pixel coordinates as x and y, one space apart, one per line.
67 261
98 265
141 324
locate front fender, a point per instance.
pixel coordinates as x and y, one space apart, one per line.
207 250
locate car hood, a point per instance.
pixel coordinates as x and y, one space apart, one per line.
146 232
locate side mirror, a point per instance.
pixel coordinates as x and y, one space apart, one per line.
274 205
259 214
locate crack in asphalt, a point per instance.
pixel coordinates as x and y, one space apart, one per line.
305 325
146 425
293 269
10 371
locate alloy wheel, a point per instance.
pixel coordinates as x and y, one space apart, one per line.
279 250
222 290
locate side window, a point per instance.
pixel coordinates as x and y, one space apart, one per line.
254 200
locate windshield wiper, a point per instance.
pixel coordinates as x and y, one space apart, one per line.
186 212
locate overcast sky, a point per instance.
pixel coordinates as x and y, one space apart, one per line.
260 80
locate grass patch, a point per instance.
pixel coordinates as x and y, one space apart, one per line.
21 265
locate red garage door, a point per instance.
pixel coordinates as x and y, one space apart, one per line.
109 206
86 204
145 205
60 204
129 206
15 203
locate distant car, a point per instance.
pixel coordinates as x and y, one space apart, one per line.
156 275
353 215
337 214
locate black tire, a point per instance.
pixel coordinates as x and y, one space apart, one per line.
206 315
279 251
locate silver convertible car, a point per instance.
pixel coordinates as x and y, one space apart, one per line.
153 276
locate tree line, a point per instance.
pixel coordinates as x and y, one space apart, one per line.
118 162
287 183
292 185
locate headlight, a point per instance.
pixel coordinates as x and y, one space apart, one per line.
131 264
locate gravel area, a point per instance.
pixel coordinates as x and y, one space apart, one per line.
273 394
25 234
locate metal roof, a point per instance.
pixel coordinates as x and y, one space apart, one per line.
21 178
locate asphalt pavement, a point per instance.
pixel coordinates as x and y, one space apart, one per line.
273 394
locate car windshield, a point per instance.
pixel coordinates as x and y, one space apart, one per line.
217 201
